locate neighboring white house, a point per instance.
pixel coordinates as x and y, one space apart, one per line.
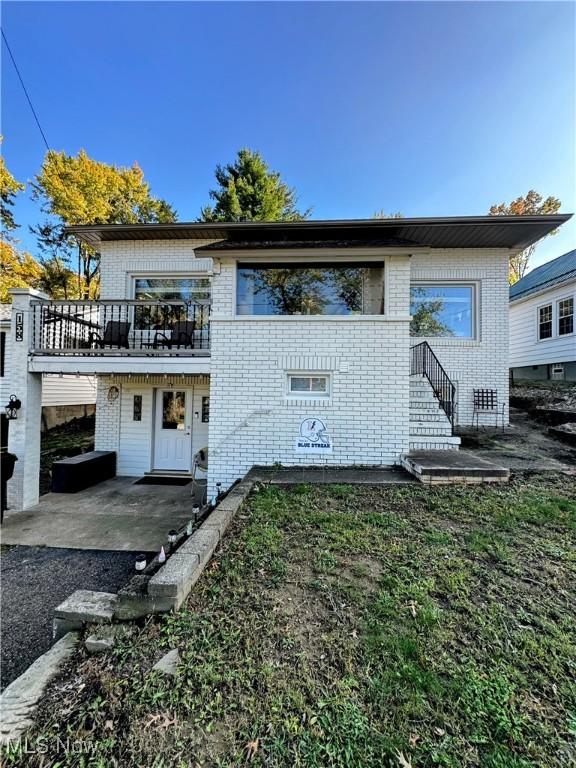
64 396
304 343
542 333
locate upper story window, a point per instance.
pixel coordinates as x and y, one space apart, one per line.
310 289
545 322
194 290
443 310
565 316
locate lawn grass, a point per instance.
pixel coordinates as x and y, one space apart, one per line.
352 626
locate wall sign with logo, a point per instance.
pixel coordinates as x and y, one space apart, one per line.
19 327
313 437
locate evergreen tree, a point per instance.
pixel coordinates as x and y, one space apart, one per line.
249 191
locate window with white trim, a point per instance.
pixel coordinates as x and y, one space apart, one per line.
545 322
565 316
308 385
443 309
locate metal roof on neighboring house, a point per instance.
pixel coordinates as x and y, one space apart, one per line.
552 273
516 232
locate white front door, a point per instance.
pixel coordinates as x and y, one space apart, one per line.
173 430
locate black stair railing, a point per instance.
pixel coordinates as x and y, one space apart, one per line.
423 362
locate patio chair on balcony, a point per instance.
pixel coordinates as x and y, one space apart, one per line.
115 336
180 335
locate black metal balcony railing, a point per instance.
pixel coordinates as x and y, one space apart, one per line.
424 362
120 327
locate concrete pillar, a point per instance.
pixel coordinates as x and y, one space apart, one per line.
24 431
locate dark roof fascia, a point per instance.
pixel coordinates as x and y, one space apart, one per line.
527 229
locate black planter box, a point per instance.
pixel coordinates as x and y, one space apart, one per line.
78 472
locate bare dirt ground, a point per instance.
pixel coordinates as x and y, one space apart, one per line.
524 446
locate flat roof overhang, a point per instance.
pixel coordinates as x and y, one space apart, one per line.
516 232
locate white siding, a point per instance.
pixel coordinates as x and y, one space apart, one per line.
56 390
135 449
525 347
68 390
481 363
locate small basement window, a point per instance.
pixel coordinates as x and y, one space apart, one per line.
545 322
308 385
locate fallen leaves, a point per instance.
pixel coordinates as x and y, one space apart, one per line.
252 749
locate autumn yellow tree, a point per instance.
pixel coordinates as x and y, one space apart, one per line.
19 270
80 190
532 204
9 188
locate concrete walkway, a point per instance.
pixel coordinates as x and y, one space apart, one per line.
113 515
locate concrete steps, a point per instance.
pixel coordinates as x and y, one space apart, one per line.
447 467
430 428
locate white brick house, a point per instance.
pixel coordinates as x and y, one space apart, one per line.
290 343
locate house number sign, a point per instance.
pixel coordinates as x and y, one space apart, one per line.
19 327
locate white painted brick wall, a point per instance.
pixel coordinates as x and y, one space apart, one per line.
119 261
252 422
481 363
107 428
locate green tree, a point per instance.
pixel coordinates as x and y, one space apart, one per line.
80 190
9 188
249 191
532 204
426 316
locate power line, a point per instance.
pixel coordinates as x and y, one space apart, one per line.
25 91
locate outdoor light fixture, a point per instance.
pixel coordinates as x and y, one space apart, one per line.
172 536
13 407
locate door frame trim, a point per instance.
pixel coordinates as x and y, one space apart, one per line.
189 393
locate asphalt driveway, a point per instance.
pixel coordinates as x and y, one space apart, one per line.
37 579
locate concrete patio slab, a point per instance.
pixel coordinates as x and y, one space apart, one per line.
114 515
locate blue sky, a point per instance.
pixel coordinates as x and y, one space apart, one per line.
424 108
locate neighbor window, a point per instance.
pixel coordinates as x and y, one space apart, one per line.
565 316
545 322
194 290
310 289
308 385
442 310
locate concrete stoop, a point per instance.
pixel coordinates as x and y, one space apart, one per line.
450 467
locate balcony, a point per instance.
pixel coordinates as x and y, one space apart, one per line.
120 328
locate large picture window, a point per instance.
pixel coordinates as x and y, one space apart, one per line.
310 289
442 310
195 290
